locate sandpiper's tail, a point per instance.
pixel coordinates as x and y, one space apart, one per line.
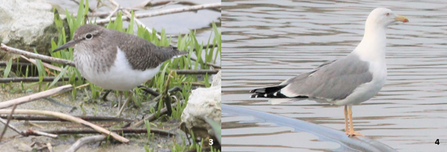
178 53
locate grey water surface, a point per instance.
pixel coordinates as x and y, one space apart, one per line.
266 42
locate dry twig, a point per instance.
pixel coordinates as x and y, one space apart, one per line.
32 79
46 65
86 118
122 130
36 96
36 56
163 12
69 118
50 148
7 122
152 116
85 140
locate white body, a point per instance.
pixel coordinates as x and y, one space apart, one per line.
377 66
371 49
120 77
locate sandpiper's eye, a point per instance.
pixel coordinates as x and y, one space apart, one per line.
88 36
387 14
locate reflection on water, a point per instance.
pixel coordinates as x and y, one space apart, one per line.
266 42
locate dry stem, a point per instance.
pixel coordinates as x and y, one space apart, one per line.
69 118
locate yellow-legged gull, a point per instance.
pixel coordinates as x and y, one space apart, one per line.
350 80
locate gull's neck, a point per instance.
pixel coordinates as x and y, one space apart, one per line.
372 47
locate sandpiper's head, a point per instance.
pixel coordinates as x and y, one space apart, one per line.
384 17
84 35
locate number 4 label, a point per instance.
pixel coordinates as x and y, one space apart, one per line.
437 142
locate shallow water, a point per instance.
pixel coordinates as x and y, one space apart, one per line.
266 42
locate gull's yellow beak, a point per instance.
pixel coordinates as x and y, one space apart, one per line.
401 18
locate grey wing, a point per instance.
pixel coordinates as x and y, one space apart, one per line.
290 80
333 80
139 51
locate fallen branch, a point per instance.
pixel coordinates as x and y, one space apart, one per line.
209 72
86 118
69 118
89 9
152 116
50 79
114 11
163 12
179 10
159 3
123 130
129 15
36 56
10 126
33 132
29 132
36 96
32 79
4 63
209 64
149 90
50 148
85 140
7 122
33 61
195 84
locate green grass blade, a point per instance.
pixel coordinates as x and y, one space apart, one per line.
64 70
8 68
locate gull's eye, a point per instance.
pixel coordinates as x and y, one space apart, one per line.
88 36
387 14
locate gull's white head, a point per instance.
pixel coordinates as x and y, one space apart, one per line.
383 17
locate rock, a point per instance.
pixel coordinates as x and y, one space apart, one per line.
203 102
27 25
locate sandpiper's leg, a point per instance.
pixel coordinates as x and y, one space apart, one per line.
104 97
346 119
351 131
125 103
120 97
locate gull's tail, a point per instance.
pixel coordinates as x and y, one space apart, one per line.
272 92
268 92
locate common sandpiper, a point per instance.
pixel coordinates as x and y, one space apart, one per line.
115 60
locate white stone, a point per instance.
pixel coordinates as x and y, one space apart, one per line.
24 19
204 102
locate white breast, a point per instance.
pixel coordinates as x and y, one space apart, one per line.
119 77
368 90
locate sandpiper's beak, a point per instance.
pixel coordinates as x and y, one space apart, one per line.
401 18
66 45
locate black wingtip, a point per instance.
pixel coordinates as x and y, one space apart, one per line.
269 95
254 96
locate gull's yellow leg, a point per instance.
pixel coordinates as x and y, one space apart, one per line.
351 131
346 119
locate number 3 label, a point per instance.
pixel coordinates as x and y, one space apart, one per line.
211 141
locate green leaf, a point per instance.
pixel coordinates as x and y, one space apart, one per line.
59 76
8 68
131 24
